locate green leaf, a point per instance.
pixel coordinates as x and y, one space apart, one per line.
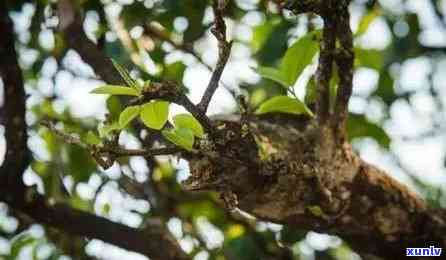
261 33
114 108
189 122
182 137
91 138
284 104
310 94
115 90
125 75
128 115
299 56
274 75
366 20
19 243
106 129
295 60
369 58
154 114
359 126
174 71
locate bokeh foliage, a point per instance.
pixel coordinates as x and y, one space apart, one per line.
67 173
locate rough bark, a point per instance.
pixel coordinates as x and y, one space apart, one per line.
304 178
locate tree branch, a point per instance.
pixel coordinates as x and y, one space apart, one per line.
153 242
224 50
169 91
17 154
344 59
324 70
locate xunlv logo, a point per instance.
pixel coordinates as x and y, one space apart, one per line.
431 251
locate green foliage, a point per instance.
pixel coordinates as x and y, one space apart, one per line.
296 59
189 122
154 114
115 90
174 71
284 104
359 126
269 39
126 77
366 20
19 243
369 58
106 129
183 137
128 115
91 138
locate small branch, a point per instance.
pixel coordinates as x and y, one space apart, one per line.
324 70
110 151
344 60
169 91
118 151
224 50
155 32
70 139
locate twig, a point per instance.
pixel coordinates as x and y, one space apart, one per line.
164 36
169 91
70 139
118 151
224 50
109 150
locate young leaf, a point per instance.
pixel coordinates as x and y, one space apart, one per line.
296 59
358 126
91 138
128 115
366 20
274 75
105 129
298 56
115 90
19 243
126 76
189 122
284 104
182 137
154 114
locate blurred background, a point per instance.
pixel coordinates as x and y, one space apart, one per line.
398 115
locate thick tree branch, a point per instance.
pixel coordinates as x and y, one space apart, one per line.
13 111
224 50
153 241
303 186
